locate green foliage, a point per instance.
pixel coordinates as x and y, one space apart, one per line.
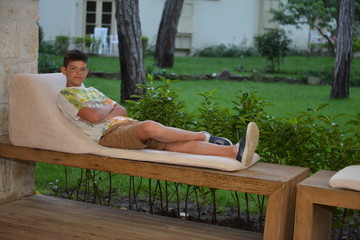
159 103
356 45
248 108
79 42
62 44
145 44
225 51
47 63
318 14
58 47
307 138
310 140
41 35
212 117
273 45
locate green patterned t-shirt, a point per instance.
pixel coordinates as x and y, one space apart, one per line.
72 99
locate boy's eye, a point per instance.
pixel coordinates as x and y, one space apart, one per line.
75 69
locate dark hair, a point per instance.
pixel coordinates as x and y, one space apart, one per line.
74 55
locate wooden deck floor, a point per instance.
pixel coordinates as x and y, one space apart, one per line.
44 217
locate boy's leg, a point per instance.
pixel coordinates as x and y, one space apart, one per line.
154 130
243 151
179 140
202 148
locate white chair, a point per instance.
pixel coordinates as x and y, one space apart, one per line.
101 35
114 42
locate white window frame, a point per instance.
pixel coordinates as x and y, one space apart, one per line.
99 12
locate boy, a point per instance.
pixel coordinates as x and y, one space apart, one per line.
105 121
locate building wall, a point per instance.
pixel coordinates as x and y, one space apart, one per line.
18 54
213 22
225 22
61 17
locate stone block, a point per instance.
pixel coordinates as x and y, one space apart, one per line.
19 41
24 10
257 76
224 75
17 175
313 80
29 45
4 90
4 119
9 41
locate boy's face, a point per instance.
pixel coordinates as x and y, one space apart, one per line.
75 72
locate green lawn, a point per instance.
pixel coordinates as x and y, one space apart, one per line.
287 98
292 66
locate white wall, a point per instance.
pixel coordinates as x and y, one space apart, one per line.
214 21
300 37
150 16
61 17
225 22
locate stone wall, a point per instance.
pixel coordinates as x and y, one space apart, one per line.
18 54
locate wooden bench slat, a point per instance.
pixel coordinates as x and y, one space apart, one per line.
318 189
262 178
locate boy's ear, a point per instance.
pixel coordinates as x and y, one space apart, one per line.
63 70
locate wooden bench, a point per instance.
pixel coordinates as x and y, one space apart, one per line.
314 203
278 182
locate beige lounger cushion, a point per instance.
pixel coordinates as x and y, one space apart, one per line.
36 121
348 178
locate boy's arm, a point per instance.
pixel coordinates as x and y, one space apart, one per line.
101 114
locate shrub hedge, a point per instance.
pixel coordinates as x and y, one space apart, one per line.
308 138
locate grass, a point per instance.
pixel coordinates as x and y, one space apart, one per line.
286 98
292 66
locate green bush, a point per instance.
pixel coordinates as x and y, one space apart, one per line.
79 43
47 63
62 44
356 45
225 51
145 44
273 45
159 103
308 138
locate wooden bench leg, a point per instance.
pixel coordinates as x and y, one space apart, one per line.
313 221
280 212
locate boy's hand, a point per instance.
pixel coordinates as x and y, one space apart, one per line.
101 114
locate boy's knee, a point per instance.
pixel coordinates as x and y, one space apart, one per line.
149 127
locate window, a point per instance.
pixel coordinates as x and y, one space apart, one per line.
106 15
90 17
99 13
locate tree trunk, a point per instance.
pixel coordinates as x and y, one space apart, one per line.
165 43
340 85
130 48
